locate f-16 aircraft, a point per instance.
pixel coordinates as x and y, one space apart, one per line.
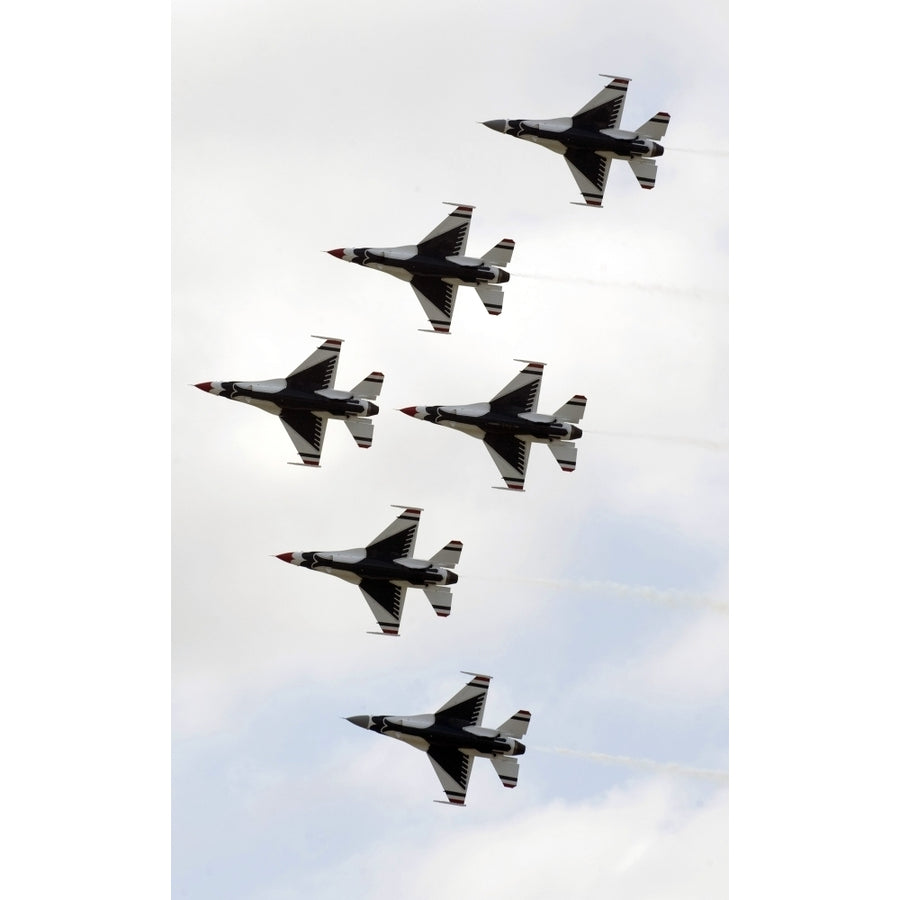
384 569
508 424
437 266
590 138
453 736
306 400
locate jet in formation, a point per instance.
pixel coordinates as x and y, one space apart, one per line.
591 138
385 568
453 736
306 400
508 424
437 266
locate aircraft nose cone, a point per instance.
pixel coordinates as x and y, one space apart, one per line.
338 252
361 721
287 557
408 410
204 385
496 125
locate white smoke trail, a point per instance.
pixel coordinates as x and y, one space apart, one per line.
669 438
641 592
642 764
699 152
695 293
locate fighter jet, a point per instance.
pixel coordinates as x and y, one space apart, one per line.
306 400
437 266
384 569
453 736
508 424
590 138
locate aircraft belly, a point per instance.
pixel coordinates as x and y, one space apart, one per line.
550 143
414 740
396 271
343 574
265 405
466 428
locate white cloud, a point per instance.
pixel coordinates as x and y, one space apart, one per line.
647 839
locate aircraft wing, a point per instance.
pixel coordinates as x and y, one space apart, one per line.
449 238
522 393
590 171
317 372
510 454
306 430
604 110
466 707
386 602
398 539
452 768
437 298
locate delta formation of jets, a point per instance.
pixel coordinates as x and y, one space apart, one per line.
508 423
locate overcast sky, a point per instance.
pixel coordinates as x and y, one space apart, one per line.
267 798
597 600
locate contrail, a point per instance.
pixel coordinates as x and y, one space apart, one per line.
692 150
694 293
642 592
644 764
670 438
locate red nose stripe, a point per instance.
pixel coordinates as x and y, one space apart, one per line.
409 410
339 252
287 557
204 385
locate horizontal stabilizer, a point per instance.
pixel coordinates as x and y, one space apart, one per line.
362 431
655 128
501 254
508 770
573 410
492 297
565 453
644 170
516 725
369 388
439 597
449 556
